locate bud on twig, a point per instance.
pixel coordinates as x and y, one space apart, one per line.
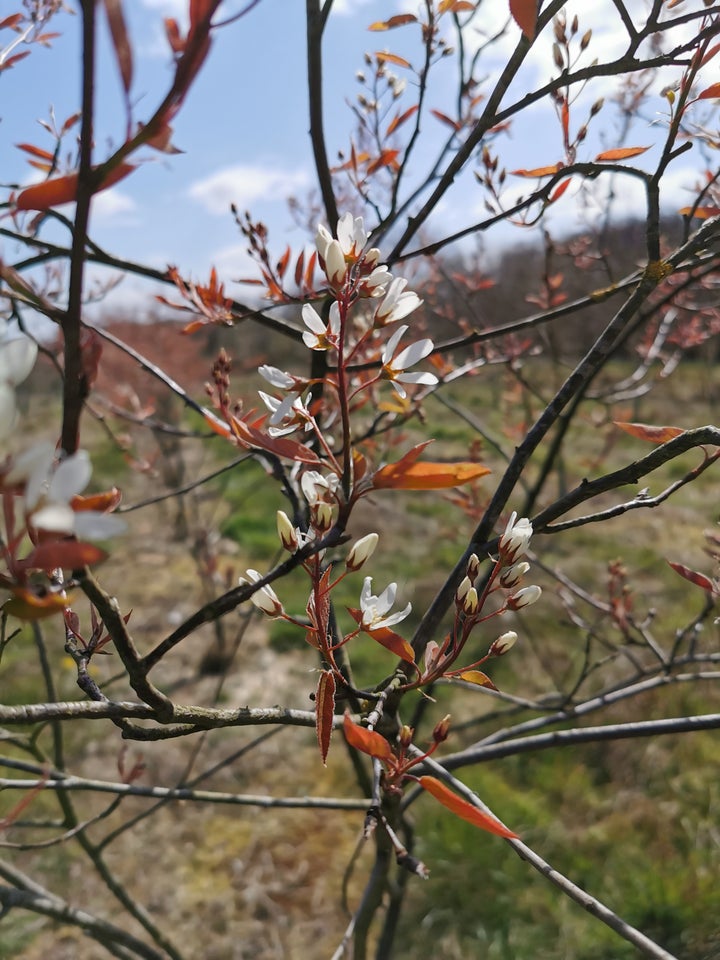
286 532
361 551
524 597
505 642
442 729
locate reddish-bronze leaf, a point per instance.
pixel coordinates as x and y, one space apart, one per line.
368 741
399 119
710 93
386 637
59 190
644 431
12 21
288 449
524 13
621 153
444 118
388 158
699 579
121 43
35 151
11 61
324 711
559 190
64 554
103 502
461 808
477 677
397 21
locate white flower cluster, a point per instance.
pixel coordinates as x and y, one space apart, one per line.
17 358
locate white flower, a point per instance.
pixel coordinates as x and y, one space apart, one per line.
318 489
264 598
375 284
351 235
394 366
374 608
17 358
286 415
516 539
336 255
50 490
397 303
318 336
276 377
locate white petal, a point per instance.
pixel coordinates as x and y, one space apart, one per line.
392 343
312 319
278 378
17 358
427 378
334 322
55 518
410 355
7 410
92 525
72 476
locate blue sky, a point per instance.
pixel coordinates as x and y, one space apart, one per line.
243 127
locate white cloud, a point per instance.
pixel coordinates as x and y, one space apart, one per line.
244 185
346 8
115 207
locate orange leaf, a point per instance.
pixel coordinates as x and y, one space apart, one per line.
366 740
622 153
702 213
524 13
710 93
388 158
477 677
461 808
102 502
288 449
66 554
427 476
324 711
384 57
538 171
456 6
397 21
59 190
26 605
644 431
387 638
399 119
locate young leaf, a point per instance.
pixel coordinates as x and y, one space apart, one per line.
427 476
710 93
26 605
538 171
324 712
477 677
65 554
622 153
699 579
644 431
384 57
397 21
387 638
399 119
466 811
119 34
702 213
524 13
366 740
59 190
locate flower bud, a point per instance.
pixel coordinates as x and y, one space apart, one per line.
264 598
322 516
470 602
361 551
524 597
442 729
516 539
473 567
462 590
511 576
499 647
286 532
335 266
405 737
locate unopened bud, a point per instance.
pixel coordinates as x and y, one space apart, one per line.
512 576
470 602
516 539
322 516
286 532
524 597
597 107
335 266
265 598
462 590
473 567
405 737
499 647
361 551
442 729
585 39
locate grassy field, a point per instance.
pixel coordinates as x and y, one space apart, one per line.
635 822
